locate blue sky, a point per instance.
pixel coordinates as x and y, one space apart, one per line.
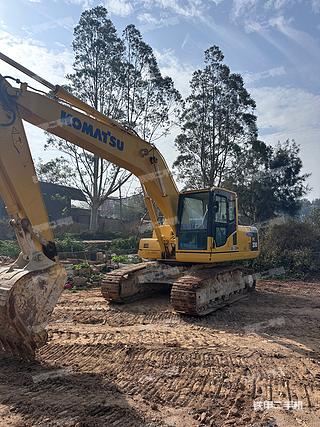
274 44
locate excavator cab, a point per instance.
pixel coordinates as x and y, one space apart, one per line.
208 230
206 219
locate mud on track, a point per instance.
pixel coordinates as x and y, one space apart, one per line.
143 365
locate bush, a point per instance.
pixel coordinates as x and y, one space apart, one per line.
126 259
99 235
293 235
69 244
9 248
125 246
294 245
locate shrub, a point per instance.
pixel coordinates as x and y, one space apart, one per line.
293 245
9 248
125 246
69 244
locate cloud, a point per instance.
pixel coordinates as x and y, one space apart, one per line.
184 8
304 40
315 6
279 4
119 7
295 114
38 58
241 7
85 4
35 55
250 78
255 14
67 23
180 72
287 109
149 22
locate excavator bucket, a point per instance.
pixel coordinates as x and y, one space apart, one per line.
27 299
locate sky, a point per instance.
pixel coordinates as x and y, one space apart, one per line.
274 44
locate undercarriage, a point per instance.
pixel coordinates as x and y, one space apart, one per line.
195 290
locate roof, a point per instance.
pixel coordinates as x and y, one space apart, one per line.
49 188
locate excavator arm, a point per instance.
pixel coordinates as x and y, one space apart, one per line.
36 279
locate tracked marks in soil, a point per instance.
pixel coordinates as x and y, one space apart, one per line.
187 377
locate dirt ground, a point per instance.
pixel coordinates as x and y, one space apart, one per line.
144 365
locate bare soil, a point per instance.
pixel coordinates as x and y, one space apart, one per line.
144 365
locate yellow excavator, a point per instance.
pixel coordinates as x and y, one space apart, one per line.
194 251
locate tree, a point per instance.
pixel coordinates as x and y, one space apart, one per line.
217 124
151 101
268 181
121 79
96 80
57 171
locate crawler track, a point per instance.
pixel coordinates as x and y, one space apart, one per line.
122 285
196 290
204 292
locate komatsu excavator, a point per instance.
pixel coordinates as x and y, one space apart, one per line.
195 251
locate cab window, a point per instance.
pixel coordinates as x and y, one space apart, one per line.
195 212
220 220
232 210
193 224
221 212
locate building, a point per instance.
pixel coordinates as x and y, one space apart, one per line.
58 200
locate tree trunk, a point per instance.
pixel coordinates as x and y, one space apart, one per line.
95 202
94 217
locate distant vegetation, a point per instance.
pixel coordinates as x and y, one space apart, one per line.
293 245
9 248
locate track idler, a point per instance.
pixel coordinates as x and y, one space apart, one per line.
27 299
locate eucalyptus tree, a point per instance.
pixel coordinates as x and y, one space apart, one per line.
217 124
120 78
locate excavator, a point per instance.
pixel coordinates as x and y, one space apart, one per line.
196 250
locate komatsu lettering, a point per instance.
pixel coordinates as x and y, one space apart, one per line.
87 128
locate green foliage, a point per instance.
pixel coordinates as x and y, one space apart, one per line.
98 235
307 206
294 245
314 217
120 78
9 248
151 102
125 246
57 171
217 122
124 259
268 181
81 266
69 244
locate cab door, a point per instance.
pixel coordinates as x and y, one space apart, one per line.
224 221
